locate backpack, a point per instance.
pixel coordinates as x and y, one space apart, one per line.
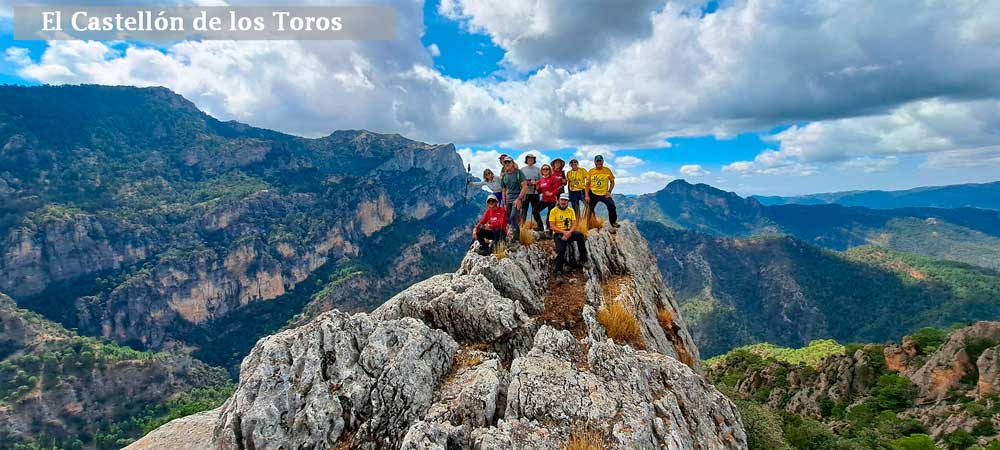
518 174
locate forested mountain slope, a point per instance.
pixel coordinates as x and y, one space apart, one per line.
784 291
967 235
129 214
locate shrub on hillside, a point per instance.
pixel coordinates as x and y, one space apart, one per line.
927 340
893 392
762 426
915 442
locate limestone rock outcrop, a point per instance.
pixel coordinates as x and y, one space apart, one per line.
476 359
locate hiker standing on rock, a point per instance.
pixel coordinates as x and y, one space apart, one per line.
515 186
576 180
558 171
492 182
600 183
548 187
492 227
532 173
562 222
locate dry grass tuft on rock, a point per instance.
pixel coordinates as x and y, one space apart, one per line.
527 236
672 330
500 250
593 221
666 319
585 440
581 222
619 320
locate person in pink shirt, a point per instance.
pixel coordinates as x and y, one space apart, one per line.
548 186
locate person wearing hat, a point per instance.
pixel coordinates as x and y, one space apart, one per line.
515 186
559 172
562 222
576 181
600 183
549 186
492 227
502 157
532 173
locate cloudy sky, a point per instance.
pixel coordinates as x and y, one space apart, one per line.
755 96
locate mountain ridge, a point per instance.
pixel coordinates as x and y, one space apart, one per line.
784 291
134 216
978 195
968 235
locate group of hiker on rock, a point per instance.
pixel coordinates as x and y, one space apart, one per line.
547 188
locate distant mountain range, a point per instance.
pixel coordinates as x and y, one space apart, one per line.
985 195
787 292
967 235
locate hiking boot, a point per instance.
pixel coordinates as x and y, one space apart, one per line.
584 259
484 251
615 225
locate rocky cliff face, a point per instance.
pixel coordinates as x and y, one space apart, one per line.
146 221
56 387
497 355
946 387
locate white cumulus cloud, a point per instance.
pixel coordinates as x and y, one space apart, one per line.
694 170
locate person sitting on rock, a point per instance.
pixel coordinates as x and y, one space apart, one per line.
548 187
600 183
492 227
562 222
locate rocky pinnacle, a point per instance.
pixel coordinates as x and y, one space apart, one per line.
498 355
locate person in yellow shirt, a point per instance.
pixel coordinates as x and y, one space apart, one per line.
600 183
576 179
562 222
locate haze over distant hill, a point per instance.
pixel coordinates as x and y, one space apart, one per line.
984 195
967 235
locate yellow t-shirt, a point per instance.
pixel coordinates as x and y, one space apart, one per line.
577 179
600 180
562 217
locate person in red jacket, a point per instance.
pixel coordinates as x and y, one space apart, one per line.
549 187
492 227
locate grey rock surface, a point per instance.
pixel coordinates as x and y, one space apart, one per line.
193 432
468 360
339 377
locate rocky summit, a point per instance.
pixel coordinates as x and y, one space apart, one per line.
499 354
